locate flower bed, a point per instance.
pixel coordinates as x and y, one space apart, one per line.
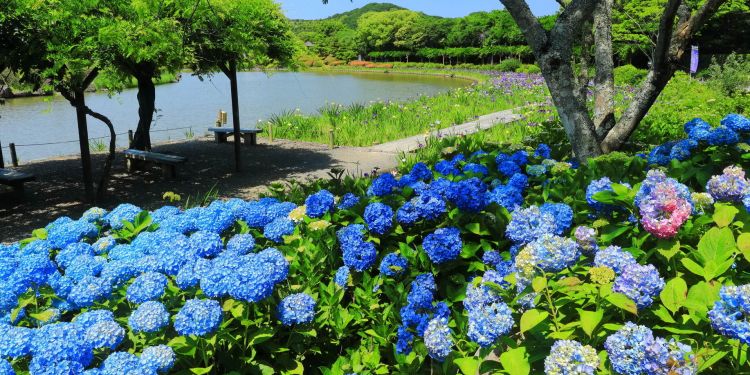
610 266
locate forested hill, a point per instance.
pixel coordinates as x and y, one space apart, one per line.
351 17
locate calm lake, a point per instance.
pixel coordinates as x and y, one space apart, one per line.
32 123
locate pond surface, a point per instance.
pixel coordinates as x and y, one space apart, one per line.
44 127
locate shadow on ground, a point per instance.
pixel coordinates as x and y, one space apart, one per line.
58 190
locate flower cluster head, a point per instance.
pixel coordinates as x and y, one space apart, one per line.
701 202
278 228
105 334
70 232
596 186
342 276
664 204
641 283
297 309
682 150
562 213
393 265
382 185
419 310
507 196
146 287
159 358
722 136
633 350
489 317
730 313
731 186
319 204
379 218
206 244
468 195
241 244
570 357
443 245
421 171
528 224
123 212
613 257
447 168
348 201
601 274
198 317
543 151
437 339
549 253
477 169
150 316
358 254
586 239
536 170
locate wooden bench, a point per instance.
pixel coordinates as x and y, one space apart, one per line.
249 136
15 179
134 159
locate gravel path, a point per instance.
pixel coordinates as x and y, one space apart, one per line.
58 192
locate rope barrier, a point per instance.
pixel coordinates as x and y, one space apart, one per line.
91 139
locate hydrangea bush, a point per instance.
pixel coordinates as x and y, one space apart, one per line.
495 262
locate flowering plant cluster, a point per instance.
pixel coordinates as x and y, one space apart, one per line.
554 267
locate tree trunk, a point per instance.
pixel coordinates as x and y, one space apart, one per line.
146 107
101 188
231 72
83 140
604 78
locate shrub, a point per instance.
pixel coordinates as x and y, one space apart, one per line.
528 68
629 75
732 76
509 65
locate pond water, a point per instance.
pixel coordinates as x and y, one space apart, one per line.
44 127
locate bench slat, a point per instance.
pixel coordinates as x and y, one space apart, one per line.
154 157
11 176
230 130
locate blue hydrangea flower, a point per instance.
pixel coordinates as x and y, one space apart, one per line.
297 309
348 201
150 316
103 245
62 235
277 229
736 122
447 168
528 224
519 181
105 334
358 254
407 214
72 251
669 357
91 317
506 196
697 130
123 212
205 244
661 154
475 168
146 287
255 277
443 245
429 206
59 342
404 340
639 283
722 135
241 243
489 317
543 151
536 170
549 252
159 358
393 265
570 357
730 186
437 339
123 363
613 257
563 215
342 276
508 168
6 368
16 341
382 185
89 290
420 171
682 149
586 239
198 317
468 195
319 204
379 218
595 186
729 316
627 348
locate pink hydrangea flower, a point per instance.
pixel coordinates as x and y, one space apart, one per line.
664 205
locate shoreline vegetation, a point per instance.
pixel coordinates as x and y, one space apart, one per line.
14 91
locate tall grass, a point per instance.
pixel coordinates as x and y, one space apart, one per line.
366 124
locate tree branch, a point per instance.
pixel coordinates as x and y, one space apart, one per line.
664 36
604 79
101 189
687 29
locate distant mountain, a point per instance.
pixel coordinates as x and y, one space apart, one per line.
350 18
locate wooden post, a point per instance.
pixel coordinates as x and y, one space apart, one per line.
330 139
13 155
2 162
270 132
130 138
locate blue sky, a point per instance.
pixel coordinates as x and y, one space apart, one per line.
314 9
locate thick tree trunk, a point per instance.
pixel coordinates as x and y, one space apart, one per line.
146 107
83 139
604 78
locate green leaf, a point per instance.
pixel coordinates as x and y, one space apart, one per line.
516 361
663 314
724 214
590 320
40 233
622 301
539 283
43 316
715 251
692 266
531 319
674 294
614 233
201 370
468 365
668 249
743 243
713 359
702 296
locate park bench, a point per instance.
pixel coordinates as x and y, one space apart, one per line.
15 179
135 159
249 136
